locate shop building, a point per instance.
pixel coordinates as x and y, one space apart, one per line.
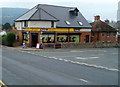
52 24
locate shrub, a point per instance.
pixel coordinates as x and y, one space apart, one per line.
3 40
9 39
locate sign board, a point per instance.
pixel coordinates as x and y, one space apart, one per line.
37 45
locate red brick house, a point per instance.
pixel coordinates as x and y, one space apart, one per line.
102 32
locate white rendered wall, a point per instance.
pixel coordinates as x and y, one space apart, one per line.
40 24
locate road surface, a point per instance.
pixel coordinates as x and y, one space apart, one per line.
27 68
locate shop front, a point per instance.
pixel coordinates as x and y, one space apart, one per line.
51 36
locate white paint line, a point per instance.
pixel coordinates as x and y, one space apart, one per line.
83 58
65 60
76 62
60 59
83 80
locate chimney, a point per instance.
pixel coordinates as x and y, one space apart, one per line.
107 21
96 18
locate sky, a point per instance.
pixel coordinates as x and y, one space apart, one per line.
107 9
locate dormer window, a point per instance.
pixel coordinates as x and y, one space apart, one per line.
67 22
74 11
80 23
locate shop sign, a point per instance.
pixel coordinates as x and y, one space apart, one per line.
43 29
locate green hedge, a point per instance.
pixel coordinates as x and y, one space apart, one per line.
8 39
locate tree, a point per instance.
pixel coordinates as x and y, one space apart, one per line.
7 26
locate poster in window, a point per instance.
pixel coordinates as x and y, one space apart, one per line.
26 38
74 38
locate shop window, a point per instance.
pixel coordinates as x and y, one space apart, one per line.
66 38
48 38
25 37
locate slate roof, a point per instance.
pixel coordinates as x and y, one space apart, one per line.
55 13
100 26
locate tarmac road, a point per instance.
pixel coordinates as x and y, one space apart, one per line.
21 68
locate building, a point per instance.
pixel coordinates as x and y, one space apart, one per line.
102 32
118 12
52 24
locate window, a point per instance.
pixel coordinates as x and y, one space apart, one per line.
108 34
52 24
92 33
80 23
25 23
67 22
103 34
114 34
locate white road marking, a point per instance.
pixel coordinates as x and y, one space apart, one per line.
83 58
81 63
83 80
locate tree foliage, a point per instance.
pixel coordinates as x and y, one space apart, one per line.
6 26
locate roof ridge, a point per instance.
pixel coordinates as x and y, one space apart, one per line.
56 6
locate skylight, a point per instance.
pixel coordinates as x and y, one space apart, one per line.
67 22
80 23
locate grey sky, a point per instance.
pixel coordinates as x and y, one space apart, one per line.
107 9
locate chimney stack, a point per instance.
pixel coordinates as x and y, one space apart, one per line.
96 18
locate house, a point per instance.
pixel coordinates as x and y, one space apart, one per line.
52 24
102 32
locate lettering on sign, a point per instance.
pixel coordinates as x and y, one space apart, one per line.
43 29
76 30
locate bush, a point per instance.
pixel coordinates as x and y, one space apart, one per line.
3 40
9 39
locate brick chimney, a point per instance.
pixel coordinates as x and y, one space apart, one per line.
107 21
96 18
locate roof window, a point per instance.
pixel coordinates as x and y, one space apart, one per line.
67 22
80 23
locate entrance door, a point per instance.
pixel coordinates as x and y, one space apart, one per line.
87 38
34 39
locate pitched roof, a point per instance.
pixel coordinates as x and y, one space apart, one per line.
100 26
37 14
56 13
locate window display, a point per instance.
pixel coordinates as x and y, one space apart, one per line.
48 38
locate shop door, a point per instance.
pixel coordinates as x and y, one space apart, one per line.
34 39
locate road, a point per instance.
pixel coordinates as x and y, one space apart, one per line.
44 68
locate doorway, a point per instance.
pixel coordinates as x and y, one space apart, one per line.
34 39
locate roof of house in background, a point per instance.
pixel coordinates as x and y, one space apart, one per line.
100 26
56 13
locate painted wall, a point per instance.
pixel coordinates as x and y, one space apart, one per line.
18 25
41 24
